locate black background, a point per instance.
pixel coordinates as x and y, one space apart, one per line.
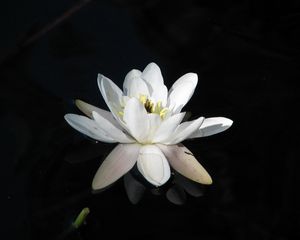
246 54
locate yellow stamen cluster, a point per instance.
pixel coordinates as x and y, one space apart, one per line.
151 107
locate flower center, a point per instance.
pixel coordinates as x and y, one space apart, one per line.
151 107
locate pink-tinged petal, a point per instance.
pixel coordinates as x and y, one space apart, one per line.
136 119
182 91
184 130
167 127
117 163
88 127
212 126
152 75
111 130
153 165
184 162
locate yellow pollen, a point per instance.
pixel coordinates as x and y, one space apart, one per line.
163 113
151 107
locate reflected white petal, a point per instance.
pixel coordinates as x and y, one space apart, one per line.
117 163
211 126
88 127
184 162
153 165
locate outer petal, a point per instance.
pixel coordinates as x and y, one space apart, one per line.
184 130
182 91
87 109
152 75
153 165
184 162
212 126
116 164
111 93
136 119
167 127
111 130
88 127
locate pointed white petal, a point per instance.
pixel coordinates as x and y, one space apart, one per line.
153 165
137 87
134 85
88 127
152 75
182 91
87 109
167 127
116 164
184 130
212 126
184 162
111 93
136 119
111 130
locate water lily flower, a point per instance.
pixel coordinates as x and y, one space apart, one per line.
146 120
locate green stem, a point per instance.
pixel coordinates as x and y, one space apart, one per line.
81 217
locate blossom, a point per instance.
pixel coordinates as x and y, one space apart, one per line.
146 120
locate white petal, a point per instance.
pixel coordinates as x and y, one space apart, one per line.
167 127
111 93
136 119
153 165
134 85
184 130
137 87
182 91
88 127
116 164
184 162
212 126
154 122
87 109
111 130
152 75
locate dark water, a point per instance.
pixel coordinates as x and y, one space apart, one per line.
247 57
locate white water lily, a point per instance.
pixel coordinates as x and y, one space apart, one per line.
146 120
